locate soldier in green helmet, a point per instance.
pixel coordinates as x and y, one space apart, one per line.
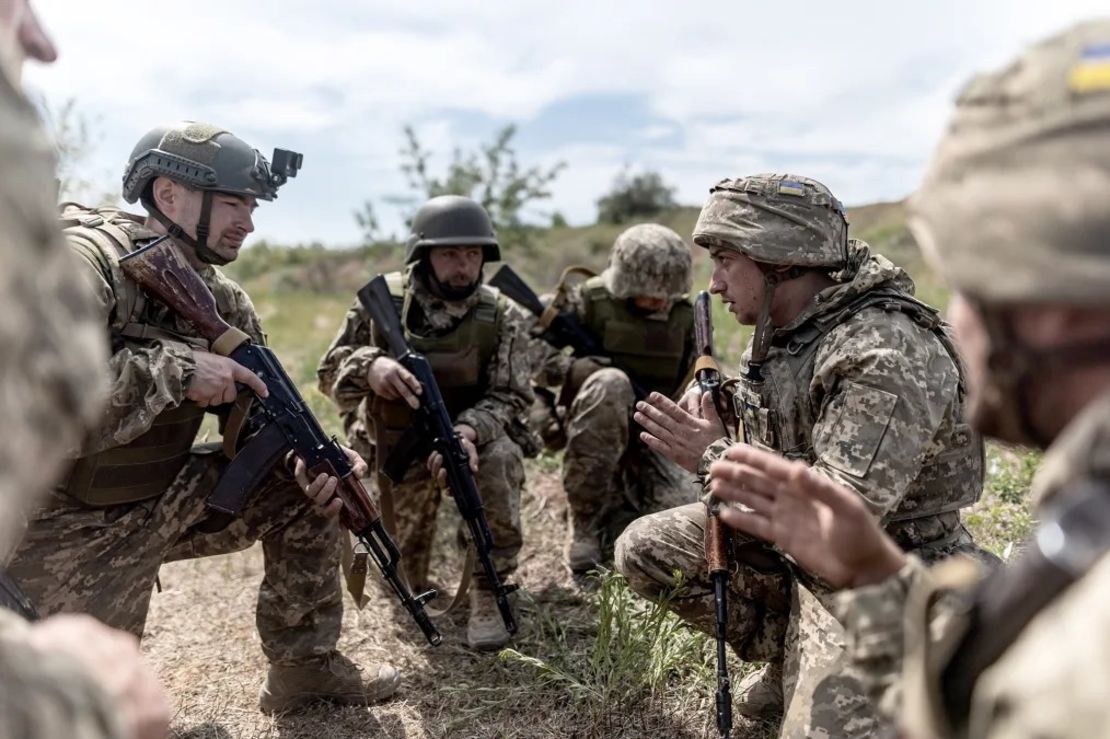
475 340
134 496
847 372
1012 213
640 311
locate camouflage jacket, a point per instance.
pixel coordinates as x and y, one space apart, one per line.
344 368
1052 681
151 375
865 386
52 390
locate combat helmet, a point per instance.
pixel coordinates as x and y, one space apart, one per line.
1013 209
649 260
206 158
451 220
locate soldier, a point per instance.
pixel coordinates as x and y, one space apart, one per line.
474 339
1013 214
846 372
639 308
65 675
135 495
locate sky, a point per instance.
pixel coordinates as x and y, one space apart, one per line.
853 93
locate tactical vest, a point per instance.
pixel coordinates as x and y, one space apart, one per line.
778 416
458 359
145 466
653 351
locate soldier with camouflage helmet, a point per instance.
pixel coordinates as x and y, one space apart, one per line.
846 372
1012 213
134 496
640 310
475 340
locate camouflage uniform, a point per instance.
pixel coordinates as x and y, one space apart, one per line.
495 417
607 490
1006 218
865 386
101 557
50 393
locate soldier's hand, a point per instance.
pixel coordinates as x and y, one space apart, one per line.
112 659
467 436
390 380
679 436
824 526
321 489
214 380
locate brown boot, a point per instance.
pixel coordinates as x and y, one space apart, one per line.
759 694
583 550
485 631
332 678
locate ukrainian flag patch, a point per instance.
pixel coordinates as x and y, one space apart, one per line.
1091 73
790 187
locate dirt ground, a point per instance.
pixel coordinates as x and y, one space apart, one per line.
201 637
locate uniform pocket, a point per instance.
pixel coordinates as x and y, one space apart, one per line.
853 426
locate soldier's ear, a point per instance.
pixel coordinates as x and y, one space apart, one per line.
166 194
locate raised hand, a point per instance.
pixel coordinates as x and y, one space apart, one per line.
678 435
824 526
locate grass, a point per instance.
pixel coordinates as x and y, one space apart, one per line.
591 659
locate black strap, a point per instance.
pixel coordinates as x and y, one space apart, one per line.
251 465
14 599
1073 536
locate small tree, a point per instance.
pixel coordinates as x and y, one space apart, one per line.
74 137
635 197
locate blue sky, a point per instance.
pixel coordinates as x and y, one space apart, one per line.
854 93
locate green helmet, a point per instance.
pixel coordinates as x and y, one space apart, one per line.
649 260
451 220
778 219
1014 206
205 157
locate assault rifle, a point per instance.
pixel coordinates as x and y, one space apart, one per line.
561 329
287 422
432 430
717 540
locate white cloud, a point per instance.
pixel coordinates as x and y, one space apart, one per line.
854 92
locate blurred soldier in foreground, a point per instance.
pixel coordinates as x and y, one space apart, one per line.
1013 213
847 373
475 342
135 495
639 311
65 675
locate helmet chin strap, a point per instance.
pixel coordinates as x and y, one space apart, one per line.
1014 367
447 292
200 243
764 329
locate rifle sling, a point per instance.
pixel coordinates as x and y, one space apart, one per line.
250 466
14 599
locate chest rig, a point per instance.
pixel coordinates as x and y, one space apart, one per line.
653 351
145 466
778 415
459 359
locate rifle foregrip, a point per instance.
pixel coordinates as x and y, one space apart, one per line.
716 543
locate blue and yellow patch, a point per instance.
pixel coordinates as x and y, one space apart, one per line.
1091 73
790 187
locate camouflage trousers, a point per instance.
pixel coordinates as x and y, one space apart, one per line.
103 561
415 505
609 478
775 613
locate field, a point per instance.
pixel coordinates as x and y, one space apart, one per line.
590 660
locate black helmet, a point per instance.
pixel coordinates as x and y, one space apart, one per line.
451 220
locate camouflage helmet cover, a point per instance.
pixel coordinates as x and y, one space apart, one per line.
779 219
204 157
1014 206
451 220
649 260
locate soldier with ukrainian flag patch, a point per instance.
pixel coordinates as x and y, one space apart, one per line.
847 372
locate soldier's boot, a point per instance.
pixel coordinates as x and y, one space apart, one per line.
332 678
759 695
583 549
485 631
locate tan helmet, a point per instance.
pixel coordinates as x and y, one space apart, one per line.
651 261
1016 203
779 219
